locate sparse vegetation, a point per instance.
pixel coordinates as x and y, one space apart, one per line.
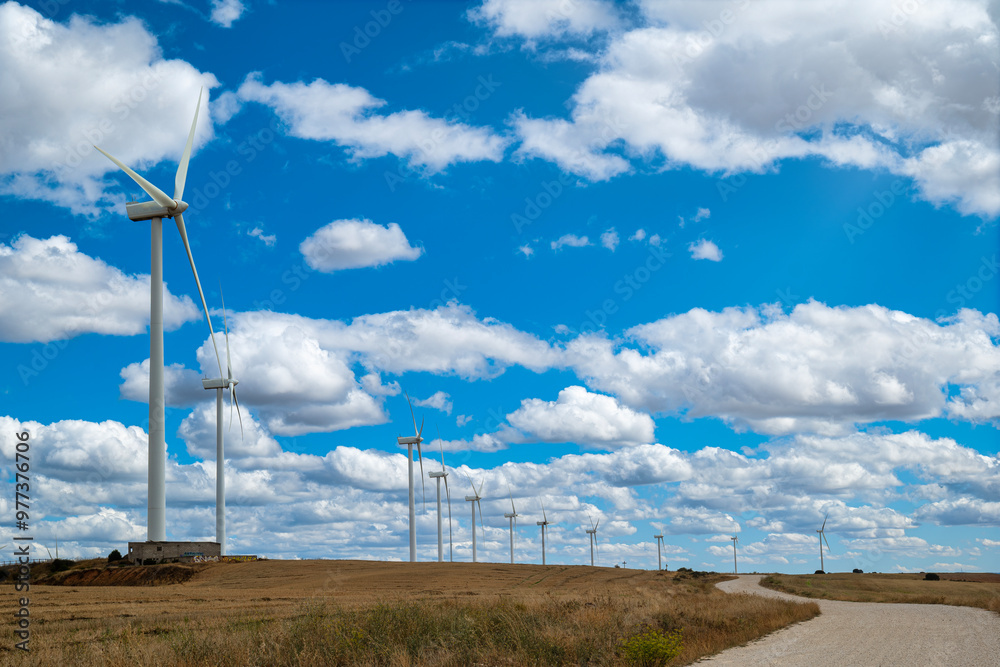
968 590
377 614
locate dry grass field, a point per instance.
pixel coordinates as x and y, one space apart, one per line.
966 590
371 613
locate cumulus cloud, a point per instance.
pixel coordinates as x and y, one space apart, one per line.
438 400
141 112
352 244
226 12
545 19
817 368
347 116
770 82
582 417
267 239
705 249
52 291
570 240
610 240
181 386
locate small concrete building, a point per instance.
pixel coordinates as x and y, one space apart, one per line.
167 552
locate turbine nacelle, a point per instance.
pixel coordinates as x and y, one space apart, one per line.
147 210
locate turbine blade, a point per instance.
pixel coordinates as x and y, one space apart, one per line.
421 431
591 520
179 219
824 523
415 432
236 400
544 518
441 447
158 195
423 489
827 542
513 510
598 524
481 524
182 166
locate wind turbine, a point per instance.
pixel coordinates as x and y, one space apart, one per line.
659 543
409 441
593 536
822 538
439 476
512 521
219 385
474 499
735 539
544 522
161 207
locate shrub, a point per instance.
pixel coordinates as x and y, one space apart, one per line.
930 576
653 647
114 555
858 571
819 572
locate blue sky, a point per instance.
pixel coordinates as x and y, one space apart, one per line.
698 268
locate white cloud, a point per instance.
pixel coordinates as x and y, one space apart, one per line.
771 82
702 214
52 291
655 240
226 12
352 244
610 240
537 19
346 116
986 542
582 417
181 386
438 400
571 240
705 249
243 435
526 250
268 239
815 369
639 235
141 112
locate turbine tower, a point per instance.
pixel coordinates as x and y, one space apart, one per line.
822 538
659 543
409 441
161 207
735 539
512 521
474 499
543 523
593 537
443 474
219 385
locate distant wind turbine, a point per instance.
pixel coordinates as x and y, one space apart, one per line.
161 207
409 441
735 539
659 544
822 538
543 523
443 474
593 537
474 499
219 385
512 521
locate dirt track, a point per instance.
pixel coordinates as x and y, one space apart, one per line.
866 633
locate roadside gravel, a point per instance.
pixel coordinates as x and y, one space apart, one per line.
868 633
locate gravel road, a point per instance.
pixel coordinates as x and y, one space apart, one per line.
868 633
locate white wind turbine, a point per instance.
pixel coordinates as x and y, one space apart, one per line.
822 538
409 441
511 521
659 543
593 536
543 523
735 539
439 476
219 385
161 207
474 499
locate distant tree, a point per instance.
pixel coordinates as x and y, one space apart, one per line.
930 576
819 572
114 555
857 571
